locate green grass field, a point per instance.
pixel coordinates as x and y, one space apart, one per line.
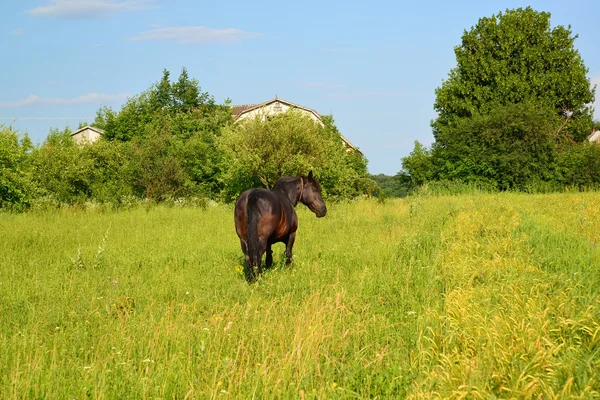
469 296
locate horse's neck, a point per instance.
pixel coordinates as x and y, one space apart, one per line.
290 190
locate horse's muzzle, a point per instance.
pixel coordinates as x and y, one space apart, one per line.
321 212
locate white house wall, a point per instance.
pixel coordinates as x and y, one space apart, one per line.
86 136
270 109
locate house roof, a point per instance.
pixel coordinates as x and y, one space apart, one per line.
594 136
239 110
92 128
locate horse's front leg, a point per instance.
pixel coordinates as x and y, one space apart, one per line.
288 248
269 257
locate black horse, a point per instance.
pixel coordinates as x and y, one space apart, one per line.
264 217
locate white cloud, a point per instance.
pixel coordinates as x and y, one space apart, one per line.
88 9
17 31
90 98
195 34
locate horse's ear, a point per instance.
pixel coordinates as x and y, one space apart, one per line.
310 174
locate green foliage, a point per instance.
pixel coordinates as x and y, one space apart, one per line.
62 170
513 147
16 188
173 127
418 165
259 152
59 171
509 147
201 159
516 57
512 111
154 167
129 122
159 172
165 145
445 187
112 171
579 166
398 185
179 108
266 150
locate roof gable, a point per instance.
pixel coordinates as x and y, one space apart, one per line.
239 110
91 128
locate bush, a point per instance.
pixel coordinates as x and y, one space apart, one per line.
16 187
453 188
511 148
579 165
258 152
63 169
112 171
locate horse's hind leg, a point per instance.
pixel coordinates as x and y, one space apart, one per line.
288 248
248 267
269 257
258 262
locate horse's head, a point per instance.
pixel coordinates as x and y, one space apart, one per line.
311 195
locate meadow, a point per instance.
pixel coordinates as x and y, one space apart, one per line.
469 296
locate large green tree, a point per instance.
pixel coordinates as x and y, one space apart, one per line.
180 107
182 117
517 98
517 57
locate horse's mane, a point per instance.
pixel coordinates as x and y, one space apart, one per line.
288 185
284 180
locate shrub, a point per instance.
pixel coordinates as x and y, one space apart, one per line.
16 187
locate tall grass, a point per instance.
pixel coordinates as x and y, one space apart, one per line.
448 296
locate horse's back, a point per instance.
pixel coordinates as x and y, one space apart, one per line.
275 217
263 198
261 202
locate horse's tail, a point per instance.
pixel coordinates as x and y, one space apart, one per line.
252 217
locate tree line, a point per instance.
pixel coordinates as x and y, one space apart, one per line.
514 114
172 142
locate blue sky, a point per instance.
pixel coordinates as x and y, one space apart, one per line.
373 65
